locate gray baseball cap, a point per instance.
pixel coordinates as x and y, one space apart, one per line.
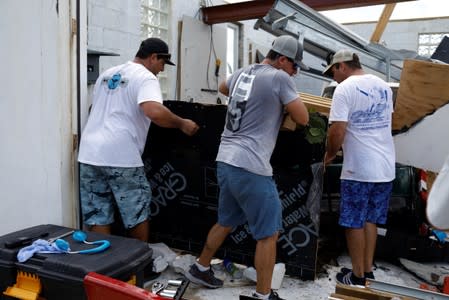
340 56
290 47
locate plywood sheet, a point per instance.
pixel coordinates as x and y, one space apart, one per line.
424 87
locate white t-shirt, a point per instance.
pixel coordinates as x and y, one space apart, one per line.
117 127
365 103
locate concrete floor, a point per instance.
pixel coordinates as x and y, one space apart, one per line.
291 288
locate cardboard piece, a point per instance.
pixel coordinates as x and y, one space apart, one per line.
423 89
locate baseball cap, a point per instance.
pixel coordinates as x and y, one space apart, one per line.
157 46
339 56
290 47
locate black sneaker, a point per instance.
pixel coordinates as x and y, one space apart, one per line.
350 279
205 278
369 275
273 296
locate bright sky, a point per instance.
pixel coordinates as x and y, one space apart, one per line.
403 10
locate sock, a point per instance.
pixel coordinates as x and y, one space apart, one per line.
201 267
357 280
260 296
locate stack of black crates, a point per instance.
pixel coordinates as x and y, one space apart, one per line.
182 173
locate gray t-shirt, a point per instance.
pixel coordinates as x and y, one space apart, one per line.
257 97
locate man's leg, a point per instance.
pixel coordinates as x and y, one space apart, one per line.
370 245
140 231
96 199
264 261
105 229
215 238
132 193
355 239
201 272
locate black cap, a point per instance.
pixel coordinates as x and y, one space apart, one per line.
157 46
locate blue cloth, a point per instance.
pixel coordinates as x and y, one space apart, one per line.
39 246
364 202
245 196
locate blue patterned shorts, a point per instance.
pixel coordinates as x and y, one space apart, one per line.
104 188
364 202
248 197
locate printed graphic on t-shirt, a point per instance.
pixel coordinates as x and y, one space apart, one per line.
238 100
376 115
114 81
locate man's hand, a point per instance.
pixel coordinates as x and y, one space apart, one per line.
328 159
189 127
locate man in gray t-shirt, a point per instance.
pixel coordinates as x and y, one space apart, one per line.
258 95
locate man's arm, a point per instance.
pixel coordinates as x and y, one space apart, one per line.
163 117
335 137
223 88
298 112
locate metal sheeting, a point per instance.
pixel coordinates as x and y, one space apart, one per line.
322 37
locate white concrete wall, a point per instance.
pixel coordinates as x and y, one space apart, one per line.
114 26
402 34
36 178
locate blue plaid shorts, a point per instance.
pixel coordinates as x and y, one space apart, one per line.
104 188
364 202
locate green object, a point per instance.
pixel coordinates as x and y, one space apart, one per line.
315 132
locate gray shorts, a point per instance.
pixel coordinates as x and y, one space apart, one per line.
104 188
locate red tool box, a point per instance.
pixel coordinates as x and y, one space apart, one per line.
60 275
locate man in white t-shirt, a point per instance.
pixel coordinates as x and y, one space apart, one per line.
126 100
360 123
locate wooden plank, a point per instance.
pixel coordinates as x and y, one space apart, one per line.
312 102
316 103
362 293
382 23
422 90
343 297
367 293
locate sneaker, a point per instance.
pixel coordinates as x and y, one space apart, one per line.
273 296
349 279
369 275
205 278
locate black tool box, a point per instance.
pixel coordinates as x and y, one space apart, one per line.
60 275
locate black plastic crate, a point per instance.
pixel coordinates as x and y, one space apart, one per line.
61 275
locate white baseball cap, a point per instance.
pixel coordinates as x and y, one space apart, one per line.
290 47
340 56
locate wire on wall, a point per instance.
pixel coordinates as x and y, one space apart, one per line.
217 61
